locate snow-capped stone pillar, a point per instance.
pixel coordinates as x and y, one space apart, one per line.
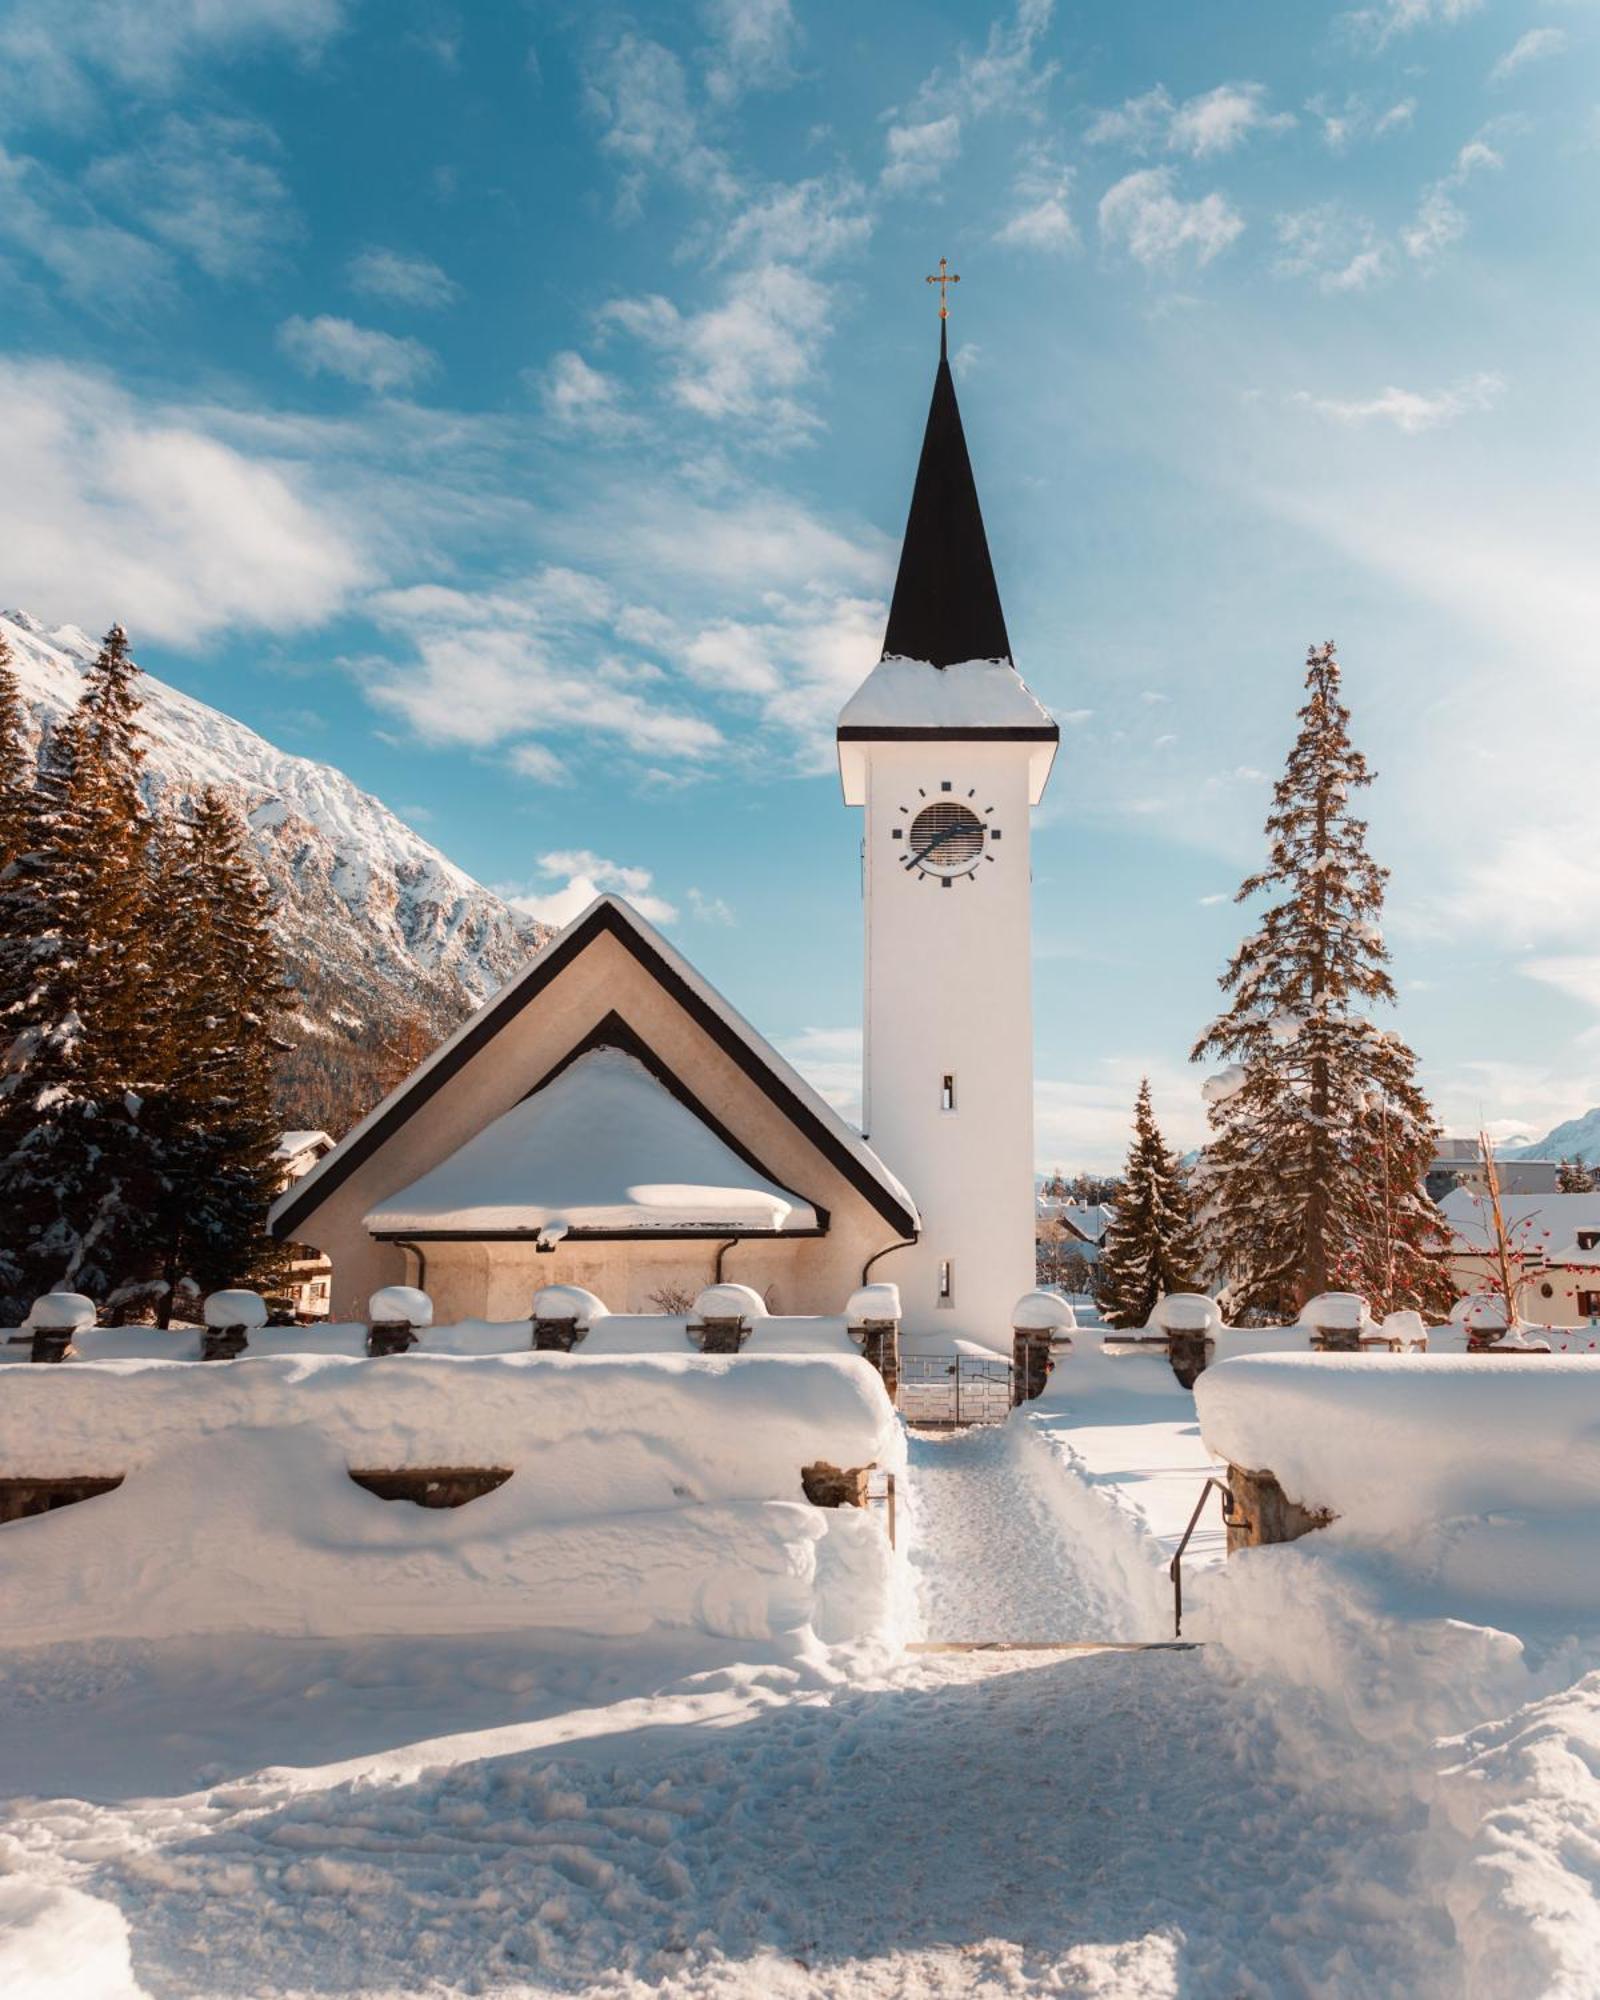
53 1320
1036 1319
396 1314
1337 1321
873 1317
722 1318
1188 1319
562 1315
231 1318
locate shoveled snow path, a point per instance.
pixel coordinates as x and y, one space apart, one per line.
991 1561
976 1825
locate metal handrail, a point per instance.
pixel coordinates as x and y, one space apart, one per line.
1175 1567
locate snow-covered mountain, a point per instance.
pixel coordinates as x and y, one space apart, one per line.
1577 1139
389 942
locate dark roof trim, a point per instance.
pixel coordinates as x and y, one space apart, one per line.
905 732
718 1235
506 1006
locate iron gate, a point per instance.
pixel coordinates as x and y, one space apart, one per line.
955 1388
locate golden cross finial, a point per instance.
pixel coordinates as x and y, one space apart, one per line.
945 276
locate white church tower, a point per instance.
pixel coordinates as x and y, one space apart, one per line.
948 752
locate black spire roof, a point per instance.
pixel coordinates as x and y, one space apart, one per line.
946 606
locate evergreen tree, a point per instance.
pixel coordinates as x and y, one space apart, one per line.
16 766
215 1114
82 1024
1322 1136
1573 1177
1151 1247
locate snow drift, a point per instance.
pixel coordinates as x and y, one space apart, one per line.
649 1491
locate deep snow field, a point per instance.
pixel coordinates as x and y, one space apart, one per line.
1343 1793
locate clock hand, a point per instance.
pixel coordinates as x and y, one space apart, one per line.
937 839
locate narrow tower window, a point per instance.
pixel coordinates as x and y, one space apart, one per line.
947 1296
947 1094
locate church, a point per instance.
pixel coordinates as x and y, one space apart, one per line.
608 1120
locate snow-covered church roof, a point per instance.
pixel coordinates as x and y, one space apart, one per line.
685 988
603 1146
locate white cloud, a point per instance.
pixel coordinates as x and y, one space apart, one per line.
402 277
753 46
1537 45
1376 27
55 59
115 508
1216 121
745 357
535 760
519 664
1222 119
1439 221
919 154
581 398
587 876
1087 1123
639 93
54 223
830 1061
709 909
1041 218
381 362
1003 79
1407 409
807 222
1155 225
1356 119
207 186
1397 117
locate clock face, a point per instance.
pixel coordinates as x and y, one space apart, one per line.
945 838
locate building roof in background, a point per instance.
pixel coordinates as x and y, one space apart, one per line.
1548 1223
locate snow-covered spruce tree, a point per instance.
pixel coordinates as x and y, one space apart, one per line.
1151 1247
1321 1135
16 766
82 1025
1574 1177
214 1113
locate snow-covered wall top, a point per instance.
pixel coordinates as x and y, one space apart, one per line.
593 1435
1389 1440
979 694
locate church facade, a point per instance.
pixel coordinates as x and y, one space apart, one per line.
608 1120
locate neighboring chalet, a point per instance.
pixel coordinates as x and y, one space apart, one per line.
1554 1244
308 1289
1458 1163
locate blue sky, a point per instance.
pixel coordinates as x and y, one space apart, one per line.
517 405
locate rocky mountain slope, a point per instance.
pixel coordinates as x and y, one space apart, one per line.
1577 1139
389 943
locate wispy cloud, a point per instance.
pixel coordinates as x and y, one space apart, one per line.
1041 218
752 48
207 186
381 362
1156 226
141 510
1376 27
638 92
1439 220
578 397
1407 409
1341 251
403 278
581 876
744 358
1537 45
56 60
1004 78
1216 121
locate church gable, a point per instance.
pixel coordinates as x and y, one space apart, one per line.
608 976
608 1145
